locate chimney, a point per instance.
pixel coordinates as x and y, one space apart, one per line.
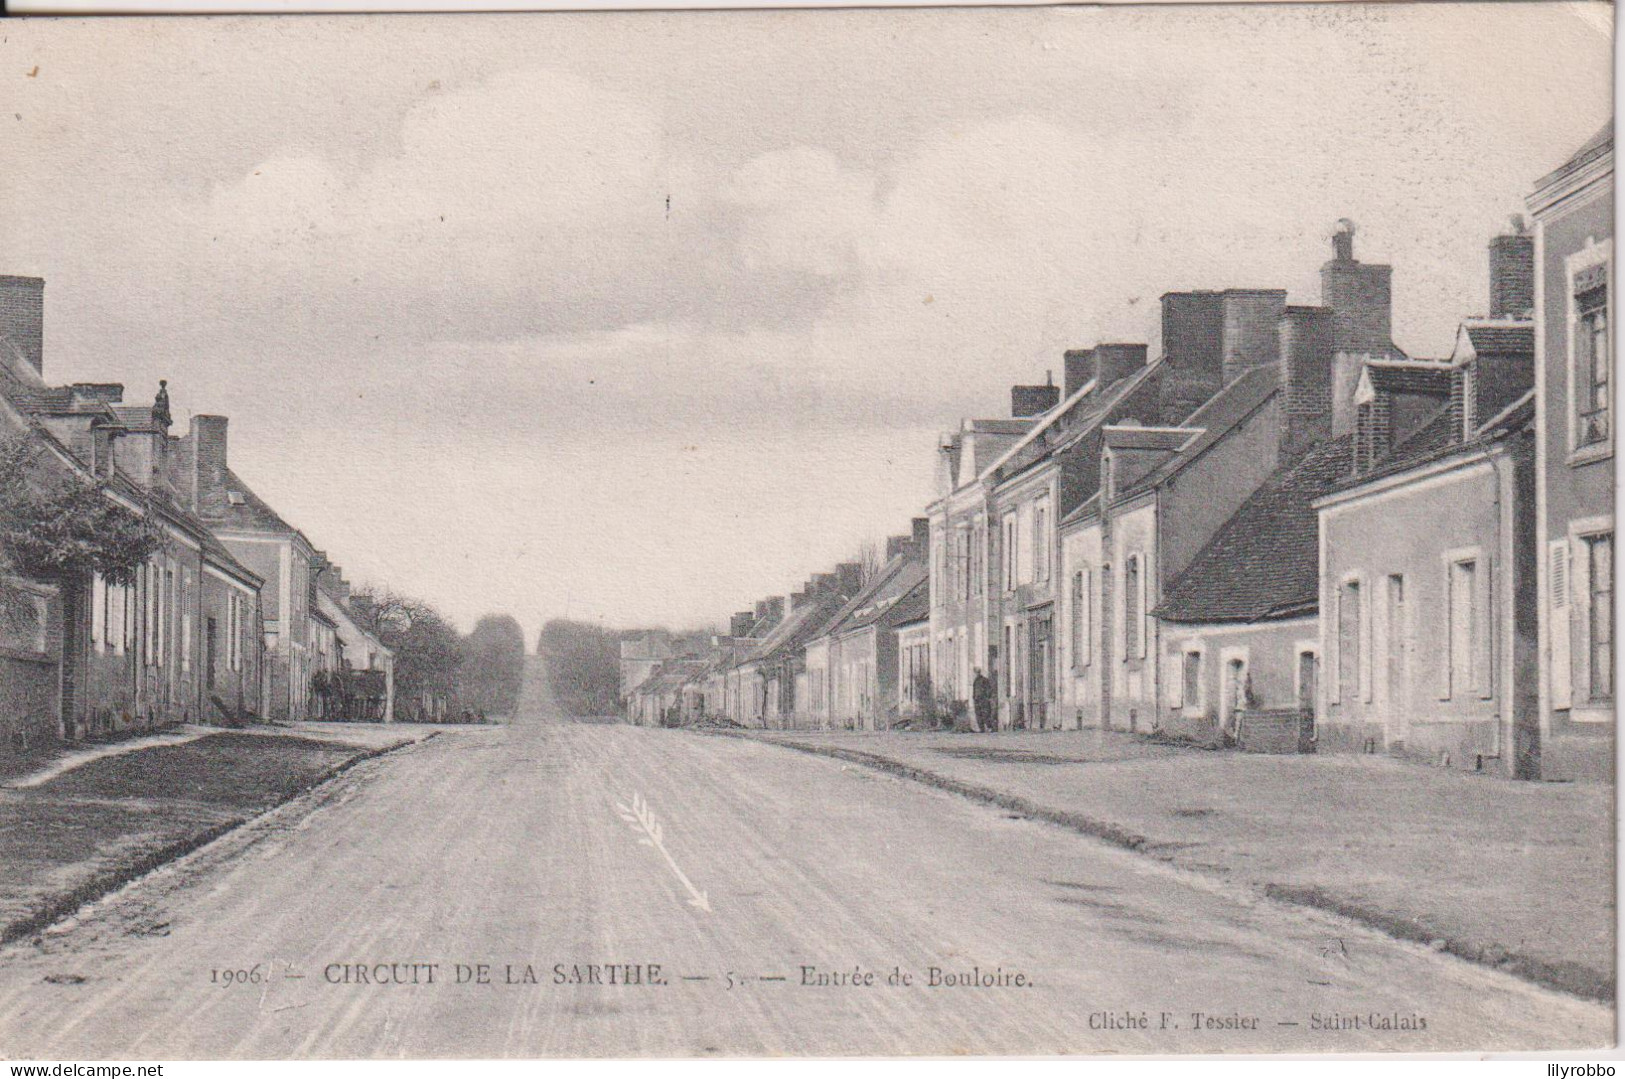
207 446
1115 362
1306 377
1077 368
22 317
1251 333
775 608
1343 241
106 393
1360 296
1028 401
761 609
739 625
1512 273
921 529
896 545
1193 353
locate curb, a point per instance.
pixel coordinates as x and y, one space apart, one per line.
110 880
1573 978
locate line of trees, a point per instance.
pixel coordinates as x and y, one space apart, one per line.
583 662
439 673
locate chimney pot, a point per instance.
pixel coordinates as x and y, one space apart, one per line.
22 317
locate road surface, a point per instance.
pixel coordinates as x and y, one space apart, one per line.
494 890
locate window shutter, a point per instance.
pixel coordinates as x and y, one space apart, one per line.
98 610
1086 598
1145 605
1558 591
1484 623
1331 628
1447 654
1367 602
1176 683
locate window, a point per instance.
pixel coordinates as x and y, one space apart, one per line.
962 563
1008 560
1132 629
1041 541
1080 618
1592 361
1600 566
1463 626
1350 619
186 620
978 576
1191 680
1006 664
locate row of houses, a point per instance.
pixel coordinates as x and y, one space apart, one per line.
1269 525
237 615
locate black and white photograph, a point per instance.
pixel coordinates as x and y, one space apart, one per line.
866 533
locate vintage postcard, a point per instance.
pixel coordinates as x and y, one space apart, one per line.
895 532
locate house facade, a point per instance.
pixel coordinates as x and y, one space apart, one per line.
274 550
1575 431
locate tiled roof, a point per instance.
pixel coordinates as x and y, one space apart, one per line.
877 604
1500 337
252 515
1264 562
1076 418
1437 440
1599 144
1221 414
797 628
1410 376
132 415
1148 438
915 606
1087 510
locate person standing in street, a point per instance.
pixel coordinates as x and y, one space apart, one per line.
981 691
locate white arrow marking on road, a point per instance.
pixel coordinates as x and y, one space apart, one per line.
642 819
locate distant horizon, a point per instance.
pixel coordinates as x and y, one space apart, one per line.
525 317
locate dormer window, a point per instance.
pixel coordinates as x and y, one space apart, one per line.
235 498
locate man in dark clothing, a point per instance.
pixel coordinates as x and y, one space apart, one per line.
981 692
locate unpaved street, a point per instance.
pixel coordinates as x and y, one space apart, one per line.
510 848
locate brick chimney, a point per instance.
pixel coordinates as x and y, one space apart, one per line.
1115 362
1305 335
1077 368
1193 352
920 528
206 446
1251 335
739 624
1512 273
1028 401
1360 296
22 317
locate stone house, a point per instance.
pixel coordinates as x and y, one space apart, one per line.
1264 377
180 644
1575 431
280 554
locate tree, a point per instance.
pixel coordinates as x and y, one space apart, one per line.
493 666
55 525
583 667
427 647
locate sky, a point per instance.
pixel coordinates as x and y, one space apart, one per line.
639 318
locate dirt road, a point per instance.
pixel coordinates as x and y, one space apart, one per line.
491 891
